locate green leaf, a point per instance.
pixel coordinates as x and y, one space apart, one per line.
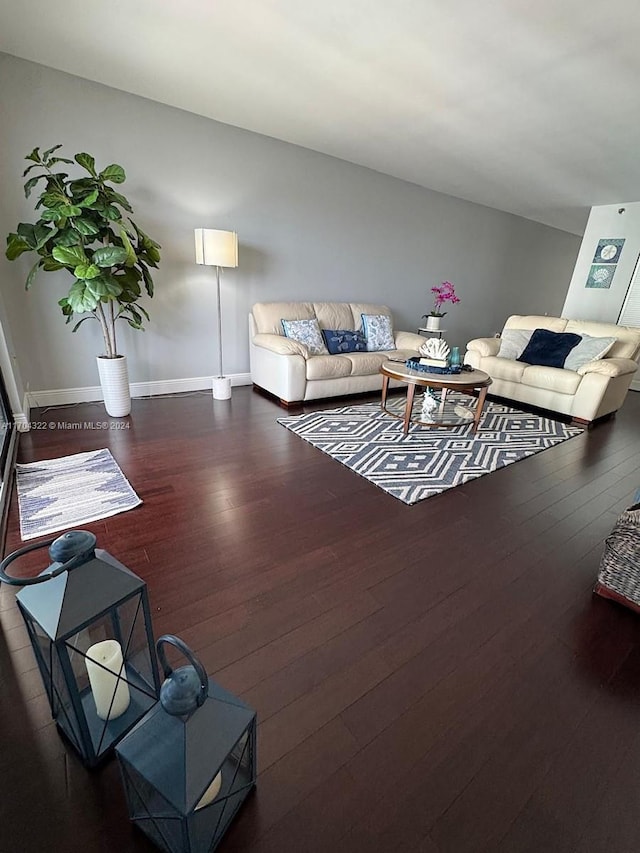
49 265
88 200
68 237
16 245
51 215
53 197
85 226
148 281
35 235
81 299
132 258
30 184
59 160
117 198
32 273
70 256
35 155
113 173
88 162
80 322
49 151
70 210
109 256
86 271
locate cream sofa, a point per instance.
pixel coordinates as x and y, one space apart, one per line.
284 367
596 389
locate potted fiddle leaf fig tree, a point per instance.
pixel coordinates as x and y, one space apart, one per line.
83 227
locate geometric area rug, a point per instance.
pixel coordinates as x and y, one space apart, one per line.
57 494
428 460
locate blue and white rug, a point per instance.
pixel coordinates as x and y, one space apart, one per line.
57 494
428 460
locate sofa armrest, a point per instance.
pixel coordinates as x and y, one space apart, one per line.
409 340
609 367
279 344
484 346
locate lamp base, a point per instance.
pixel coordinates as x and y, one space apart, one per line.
221 388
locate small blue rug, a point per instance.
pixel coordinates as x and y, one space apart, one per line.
428 460
57 494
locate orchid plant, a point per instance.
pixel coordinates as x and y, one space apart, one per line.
445 293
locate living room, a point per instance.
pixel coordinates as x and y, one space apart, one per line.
431 678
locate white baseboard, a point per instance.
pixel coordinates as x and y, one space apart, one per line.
93 393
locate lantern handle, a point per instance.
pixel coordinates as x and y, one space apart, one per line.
79 541
172 640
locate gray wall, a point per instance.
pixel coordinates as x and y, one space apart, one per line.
310 227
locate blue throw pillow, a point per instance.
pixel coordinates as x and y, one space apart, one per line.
549 349
344 340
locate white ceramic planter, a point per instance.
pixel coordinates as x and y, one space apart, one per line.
221 388
114 379
433 323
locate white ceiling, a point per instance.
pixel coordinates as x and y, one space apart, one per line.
528 106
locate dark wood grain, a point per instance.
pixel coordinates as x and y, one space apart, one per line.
434 678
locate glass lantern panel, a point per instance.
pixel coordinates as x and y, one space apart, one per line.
113 693
52 674
151 812
131 615
207 825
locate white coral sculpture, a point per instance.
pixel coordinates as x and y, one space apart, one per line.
435 348
429 403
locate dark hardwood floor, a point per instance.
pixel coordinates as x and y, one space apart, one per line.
436 678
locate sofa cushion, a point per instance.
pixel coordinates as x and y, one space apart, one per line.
365 363
306 332
549 349
502 368
535 321
379 332
360 308
344 340
589 349
335 315
328 367
513 342
627 343
268 315
551 378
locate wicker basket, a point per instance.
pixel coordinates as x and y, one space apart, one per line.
619 573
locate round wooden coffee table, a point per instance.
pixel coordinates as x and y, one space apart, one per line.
467 382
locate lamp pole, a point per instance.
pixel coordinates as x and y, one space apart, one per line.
220 373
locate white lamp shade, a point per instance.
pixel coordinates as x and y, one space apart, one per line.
216 248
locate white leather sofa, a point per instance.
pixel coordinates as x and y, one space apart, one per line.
285 368
594 390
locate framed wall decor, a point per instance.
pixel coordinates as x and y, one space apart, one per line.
605 261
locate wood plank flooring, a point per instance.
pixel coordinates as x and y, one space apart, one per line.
436 678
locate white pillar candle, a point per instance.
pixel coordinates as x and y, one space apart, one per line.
211 793
104 662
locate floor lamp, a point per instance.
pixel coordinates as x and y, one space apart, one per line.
218 249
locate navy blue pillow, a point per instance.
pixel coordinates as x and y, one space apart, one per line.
549 349
344 340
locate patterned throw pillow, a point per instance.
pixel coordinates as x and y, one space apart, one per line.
306 332
549 349
513 342
589 349
378 332
344 340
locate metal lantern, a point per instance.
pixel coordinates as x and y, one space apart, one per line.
188 766
89 624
